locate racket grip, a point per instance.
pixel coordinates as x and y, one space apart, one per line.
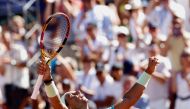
35 92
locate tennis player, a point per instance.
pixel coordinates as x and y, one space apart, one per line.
76 100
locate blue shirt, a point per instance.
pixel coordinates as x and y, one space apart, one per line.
112 107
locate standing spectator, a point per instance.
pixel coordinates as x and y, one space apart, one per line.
160 81
92 12
163 16
178 36
136 21
15 58
181 82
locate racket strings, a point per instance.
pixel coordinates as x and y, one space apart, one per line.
54 35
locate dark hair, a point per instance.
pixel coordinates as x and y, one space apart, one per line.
186 52
91 26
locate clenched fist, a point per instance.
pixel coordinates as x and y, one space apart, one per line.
153 62
44 69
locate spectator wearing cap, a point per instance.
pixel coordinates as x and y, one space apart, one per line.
178 36
117 74
137 19
103 94
160 82
117 50
181 82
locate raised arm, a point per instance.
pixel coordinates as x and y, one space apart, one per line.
132 96
50 88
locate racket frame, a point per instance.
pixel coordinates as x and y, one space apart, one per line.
43 54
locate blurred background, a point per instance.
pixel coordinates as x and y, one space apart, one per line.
109 45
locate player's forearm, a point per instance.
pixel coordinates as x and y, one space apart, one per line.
56 103
134 94
54 96
105 103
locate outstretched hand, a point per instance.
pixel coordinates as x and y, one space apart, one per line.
44 69
153 62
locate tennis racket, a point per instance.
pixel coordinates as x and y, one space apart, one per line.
55 33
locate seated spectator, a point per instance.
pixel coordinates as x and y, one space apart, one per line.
86 80
116 53
93 44
117 74
103 96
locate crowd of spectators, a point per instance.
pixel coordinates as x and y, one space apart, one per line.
112 40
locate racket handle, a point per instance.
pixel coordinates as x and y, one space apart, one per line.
35 92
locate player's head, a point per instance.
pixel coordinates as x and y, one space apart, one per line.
75 100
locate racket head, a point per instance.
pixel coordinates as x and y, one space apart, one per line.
55 33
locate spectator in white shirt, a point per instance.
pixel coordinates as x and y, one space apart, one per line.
86 78
162 16
93 44
117 74
117 50
101 15
103 94
159 82
137 19
181 82
16 56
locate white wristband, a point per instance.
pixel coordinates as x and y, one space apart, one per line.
51 90
144 79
